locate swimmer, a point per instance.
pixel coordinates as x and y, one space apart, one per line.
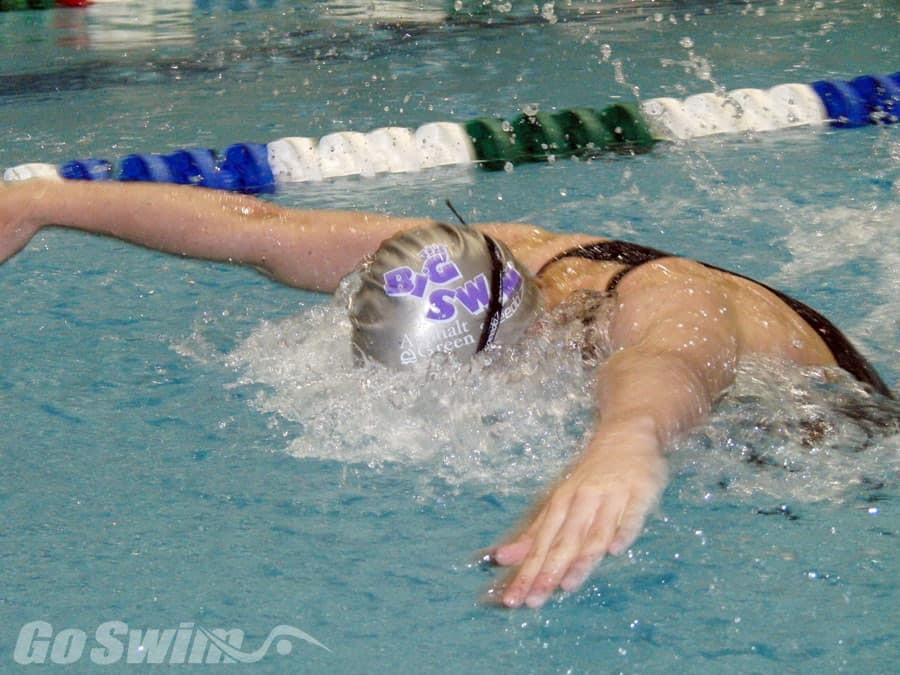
677 329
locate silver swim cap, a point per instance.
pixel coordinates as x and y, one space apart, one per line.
440 289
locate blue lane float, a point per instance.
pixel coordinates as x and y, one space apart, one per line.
244 168
861 101
87 169
497 143
147 168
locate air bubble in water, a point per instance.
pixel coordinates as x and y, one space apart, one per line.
686 42
548 13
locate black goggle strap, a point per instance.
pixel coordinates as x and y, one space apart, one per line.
495 306
455 212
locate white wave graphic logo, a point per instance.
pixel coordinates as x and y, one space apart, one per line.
283 634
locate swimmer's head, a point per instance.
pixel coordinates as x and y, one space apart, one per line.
440 289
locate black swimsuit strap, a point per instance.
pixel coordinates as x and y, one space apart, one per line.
611 251
634 255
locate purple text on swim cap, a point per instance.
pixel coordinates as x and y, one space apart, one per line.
438 269
474 295
511 281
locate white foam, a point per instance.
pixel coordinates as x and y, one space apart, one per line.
513 419
505 420
793 435
824 239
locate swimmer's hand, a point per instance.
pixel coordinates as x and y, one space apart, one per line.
597 508
676 340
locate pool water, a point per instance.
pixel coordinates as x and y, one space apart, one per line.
187 444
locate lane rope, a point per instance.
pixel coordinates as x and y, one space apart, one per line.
496 143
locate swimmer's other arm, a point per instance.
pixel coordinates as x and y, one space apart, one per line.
676 354
305 249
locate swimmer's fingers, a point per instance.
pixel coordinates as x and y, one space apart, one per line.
598 509
615 540
597 544
631 527
513 553
552 519
575 537
509 555
517 546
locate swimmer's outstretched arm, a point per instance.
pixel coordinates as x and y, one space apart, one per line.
676 353
305 249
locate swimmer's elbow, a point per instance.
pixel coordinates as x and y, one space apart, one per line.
295 276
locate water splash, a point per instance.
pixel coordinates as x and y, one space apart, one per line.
514 417
794 434
506 419
856 249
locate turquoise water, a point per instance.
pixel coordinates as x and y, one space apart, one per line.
185 443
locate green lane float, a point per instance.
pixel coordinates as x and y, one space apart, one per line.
495 143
